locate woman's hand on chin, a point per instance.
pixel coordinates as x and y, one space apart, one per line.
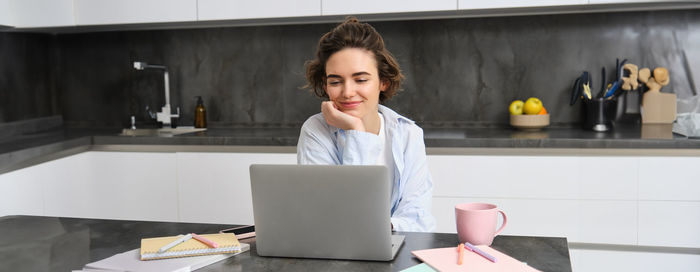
339 119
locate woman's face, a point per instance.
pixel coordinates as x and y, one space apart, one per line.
352 81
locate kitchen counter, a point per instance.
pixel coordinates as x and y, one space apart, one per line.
24 150
34 243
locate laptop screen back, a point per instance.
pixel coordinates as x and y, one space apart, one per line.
322 211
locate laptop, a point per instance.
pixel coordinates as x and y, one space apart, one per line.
323 211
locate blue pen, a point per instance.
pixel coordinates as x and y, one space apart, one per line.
480 252
612 90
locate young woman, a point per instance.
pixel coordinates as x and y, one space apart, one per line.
356 72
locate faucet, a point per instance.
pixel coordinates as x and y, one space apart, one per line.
165 114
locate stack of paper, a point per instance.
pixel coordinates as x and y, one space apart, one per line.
130 261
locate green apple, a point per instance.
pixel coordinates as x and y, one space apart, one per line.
516 107
532 106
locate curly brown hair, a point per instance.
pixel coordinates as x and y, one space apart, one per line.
353 34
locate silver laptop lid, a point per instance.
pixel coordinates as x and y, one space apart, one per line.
322 211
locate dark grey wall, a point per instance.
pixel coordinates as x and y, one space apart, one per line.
459 72
25 89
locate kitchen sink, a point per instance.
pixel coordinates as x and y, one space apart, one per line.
162 132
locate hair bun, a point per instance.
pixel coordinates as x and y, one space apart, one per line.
351 19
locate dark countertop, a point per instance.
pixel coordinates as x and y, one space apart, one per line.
33 243
24 148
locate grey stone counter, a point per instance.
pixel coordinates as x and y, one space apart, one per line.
32 243
621 137
23 150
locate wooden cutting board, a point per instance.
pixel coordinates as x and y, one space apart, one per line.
658 108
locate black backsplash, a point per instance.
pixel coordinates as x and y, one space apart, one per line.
25 76
459 72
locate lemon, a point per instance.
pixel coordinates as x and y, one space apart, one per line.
516 107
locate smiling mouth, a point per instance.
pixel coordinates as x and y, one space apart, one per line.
350 105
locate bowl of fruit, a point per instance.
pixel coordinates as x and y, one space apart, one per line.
528 115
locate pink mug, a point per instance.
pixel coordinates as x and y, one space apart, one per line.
476 222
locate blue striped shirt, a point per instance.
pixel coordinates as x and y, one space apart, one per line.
411 193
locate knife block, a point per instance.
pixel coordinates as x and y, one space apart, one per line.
629 107
658 108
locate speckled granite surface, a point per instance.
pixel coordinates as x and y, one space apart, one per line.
33 243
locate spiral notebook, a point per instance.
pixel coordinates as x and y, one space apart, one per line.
227 243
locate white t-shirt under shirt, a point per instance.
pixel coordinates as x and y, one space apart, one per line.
385 157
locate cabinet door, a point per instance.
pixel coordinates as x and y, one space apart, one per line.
99 12
476 4
7 17
669 178
542 177
587 199
669 223
337 7
504 176
40 13
242 9
113 185
215 187
21 192
588 221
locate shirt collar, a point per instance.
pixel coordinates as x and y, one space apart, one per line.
392 117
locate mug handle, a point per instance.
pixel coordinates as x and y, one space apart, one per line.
505 220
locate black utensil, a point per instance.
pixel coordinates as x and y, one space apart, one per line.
602 84
576 91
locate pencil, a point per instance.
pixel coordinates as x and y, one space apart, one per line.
205 241
480 252
461 254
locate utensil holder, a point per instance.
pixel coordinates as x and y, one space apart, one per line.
599 114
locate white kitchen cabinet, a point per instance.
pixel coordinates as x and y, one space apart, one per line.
476 4
669 223
6 15
109 185
601 221
242 9
113 185
37 13
101 12
340 7
669 201
21 191
597 260
215 187
669 178
646 200
586 199
539 177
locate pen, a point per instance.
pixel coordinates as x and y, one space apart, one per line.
480 252
174 243
461 254
206 241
